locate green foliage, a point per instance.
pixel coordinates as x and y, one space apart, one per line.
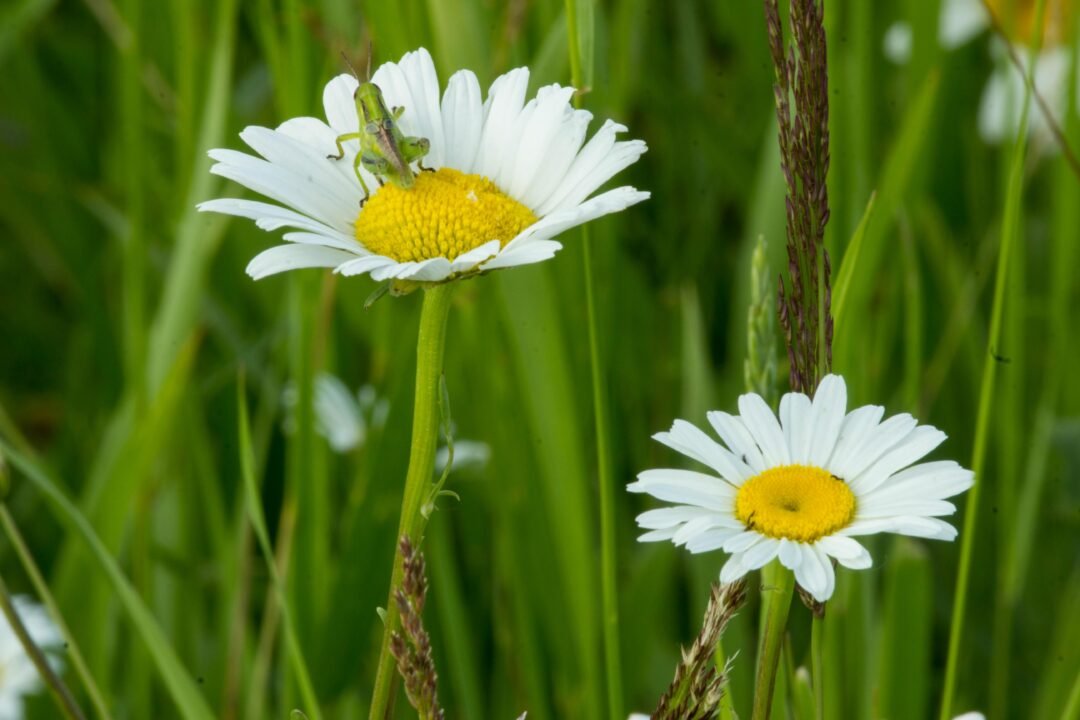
126 317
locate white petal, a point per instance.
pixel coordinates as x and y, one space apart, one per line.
931 528
790 554
857 425
322 139
877 442
397 270
504 103
278 183
307 163
761 553
533 252
795 417
657 535
670 516
363 265
463 120
293 257
430 270
331 240
538 134
419 72
916 445
914 506
685 487
551 225
271 217
709 540
390 78
738 439
812 573
743 541
830 574
927 481
849 553
597 162
564 148
826 417
339 105
732 570
476 256
763 425
689 440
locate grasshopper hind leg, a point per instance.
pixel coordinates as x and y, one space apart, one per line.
356 169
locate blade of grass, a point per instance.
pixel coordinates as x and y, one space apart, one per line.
185 693
903 675
41 587
258 524
579 33
1010 231
849 263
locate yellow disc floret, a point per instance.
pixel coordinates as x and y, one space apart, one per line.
797 502
446 213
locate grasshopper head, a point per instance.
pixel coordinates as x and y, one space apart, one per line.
370 106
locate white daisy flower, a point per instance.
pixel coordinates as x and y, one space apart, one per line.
802 487
509 176
18 675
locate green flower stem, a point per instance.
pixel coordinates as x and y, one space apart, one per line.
59 690
42 589
425 435
777 585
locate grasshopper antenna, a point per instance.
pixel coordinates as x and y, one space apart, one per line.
369 54
345 57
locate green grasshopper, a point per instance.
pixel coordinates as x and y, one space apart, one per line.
384 151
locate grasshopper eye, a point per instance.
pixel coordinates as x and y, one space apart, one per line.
388 124
372 128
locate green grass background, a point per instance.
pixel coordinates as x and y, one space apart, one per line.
126 321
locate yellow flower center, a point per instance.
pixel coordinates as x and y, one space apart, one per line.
446 213
797 502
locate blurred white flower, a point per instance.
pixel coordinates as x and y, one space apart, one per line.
340 417
344 420
468 454
18 676
897 43
960 21
1003 96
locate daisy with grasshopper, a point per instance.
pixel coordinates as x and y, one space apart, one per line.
506 178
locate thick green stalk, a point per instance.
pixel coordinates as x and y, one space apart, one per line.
778 585
425 435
